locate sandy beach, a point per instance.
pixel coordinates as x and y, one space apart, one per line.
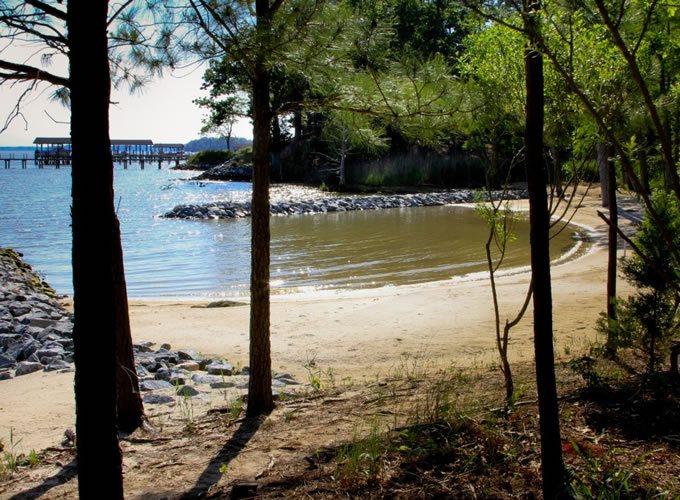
358 334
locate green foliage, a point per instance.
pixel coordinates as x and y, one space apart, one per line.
648 318
362 459
210 157
419 170
33 458
319 379
216 143
235 407
501 220
10 458
185 403
602 483
586 367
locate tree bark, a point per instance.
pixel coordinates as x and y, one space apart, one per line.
260 400
129 401
612 257
603 167
93 223
557 171
553 476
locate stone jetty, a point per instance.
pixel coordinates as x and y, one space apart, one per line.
236 209
36 333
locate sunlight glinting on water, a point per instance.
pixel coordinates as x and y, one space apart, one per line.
203 259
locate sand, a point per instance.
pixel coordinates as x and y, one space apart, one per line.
355 334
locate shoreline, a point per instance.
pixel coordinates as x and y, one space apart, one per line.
360 334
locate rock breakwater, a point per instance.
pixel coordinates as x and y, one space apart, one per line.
238 209
36 333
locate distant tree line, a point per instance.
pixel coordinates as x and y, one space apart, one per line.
217 143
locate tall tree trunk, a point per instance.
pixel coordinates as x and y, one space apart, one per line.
557 171
611 264
603 167
260 399
93 223
130 406
552 469
343 155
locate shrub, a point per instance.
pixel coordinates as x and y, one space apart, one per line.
210 157
647 319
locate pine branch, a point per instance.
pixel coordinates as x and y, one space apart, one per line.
23 72
47 9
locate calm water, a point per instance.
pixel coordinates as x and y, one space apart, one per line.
207 259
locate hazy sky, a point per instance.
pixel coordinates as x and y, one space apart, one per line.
162 112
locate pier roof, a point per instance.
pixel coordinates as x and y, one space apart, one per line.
52 140
131 142
114 142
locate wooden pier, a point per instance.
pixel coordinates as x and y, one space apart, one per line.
23 160
56 152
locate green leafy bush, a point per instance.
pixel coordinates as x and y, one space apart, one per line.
648 318
210 157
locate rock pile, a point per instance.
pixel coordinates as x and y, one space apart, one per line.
235 209
229 171
36 334
189 374
35 331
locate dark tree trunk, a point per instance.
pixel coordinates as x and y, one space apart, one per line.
613 243
130 407
557 171
94 237
603 168
551 447
260 399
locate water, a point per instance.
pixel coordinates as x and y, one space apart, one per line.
211 259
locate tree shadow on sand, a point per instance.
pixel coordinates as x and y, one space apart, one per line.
213 472
67 472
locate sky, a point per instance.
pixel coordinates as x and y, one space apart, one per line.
162 112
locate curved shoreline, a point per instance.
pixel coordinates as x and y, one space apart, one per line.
359 334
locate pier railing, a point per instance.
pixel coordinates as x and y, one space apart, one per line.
63 158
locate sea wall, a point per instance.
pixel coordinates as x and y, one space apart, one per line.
231 209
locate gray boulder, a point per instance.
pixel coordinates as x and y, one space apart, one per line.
201 378
155 399
187 391
58 364
220 368
154 385
26 367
